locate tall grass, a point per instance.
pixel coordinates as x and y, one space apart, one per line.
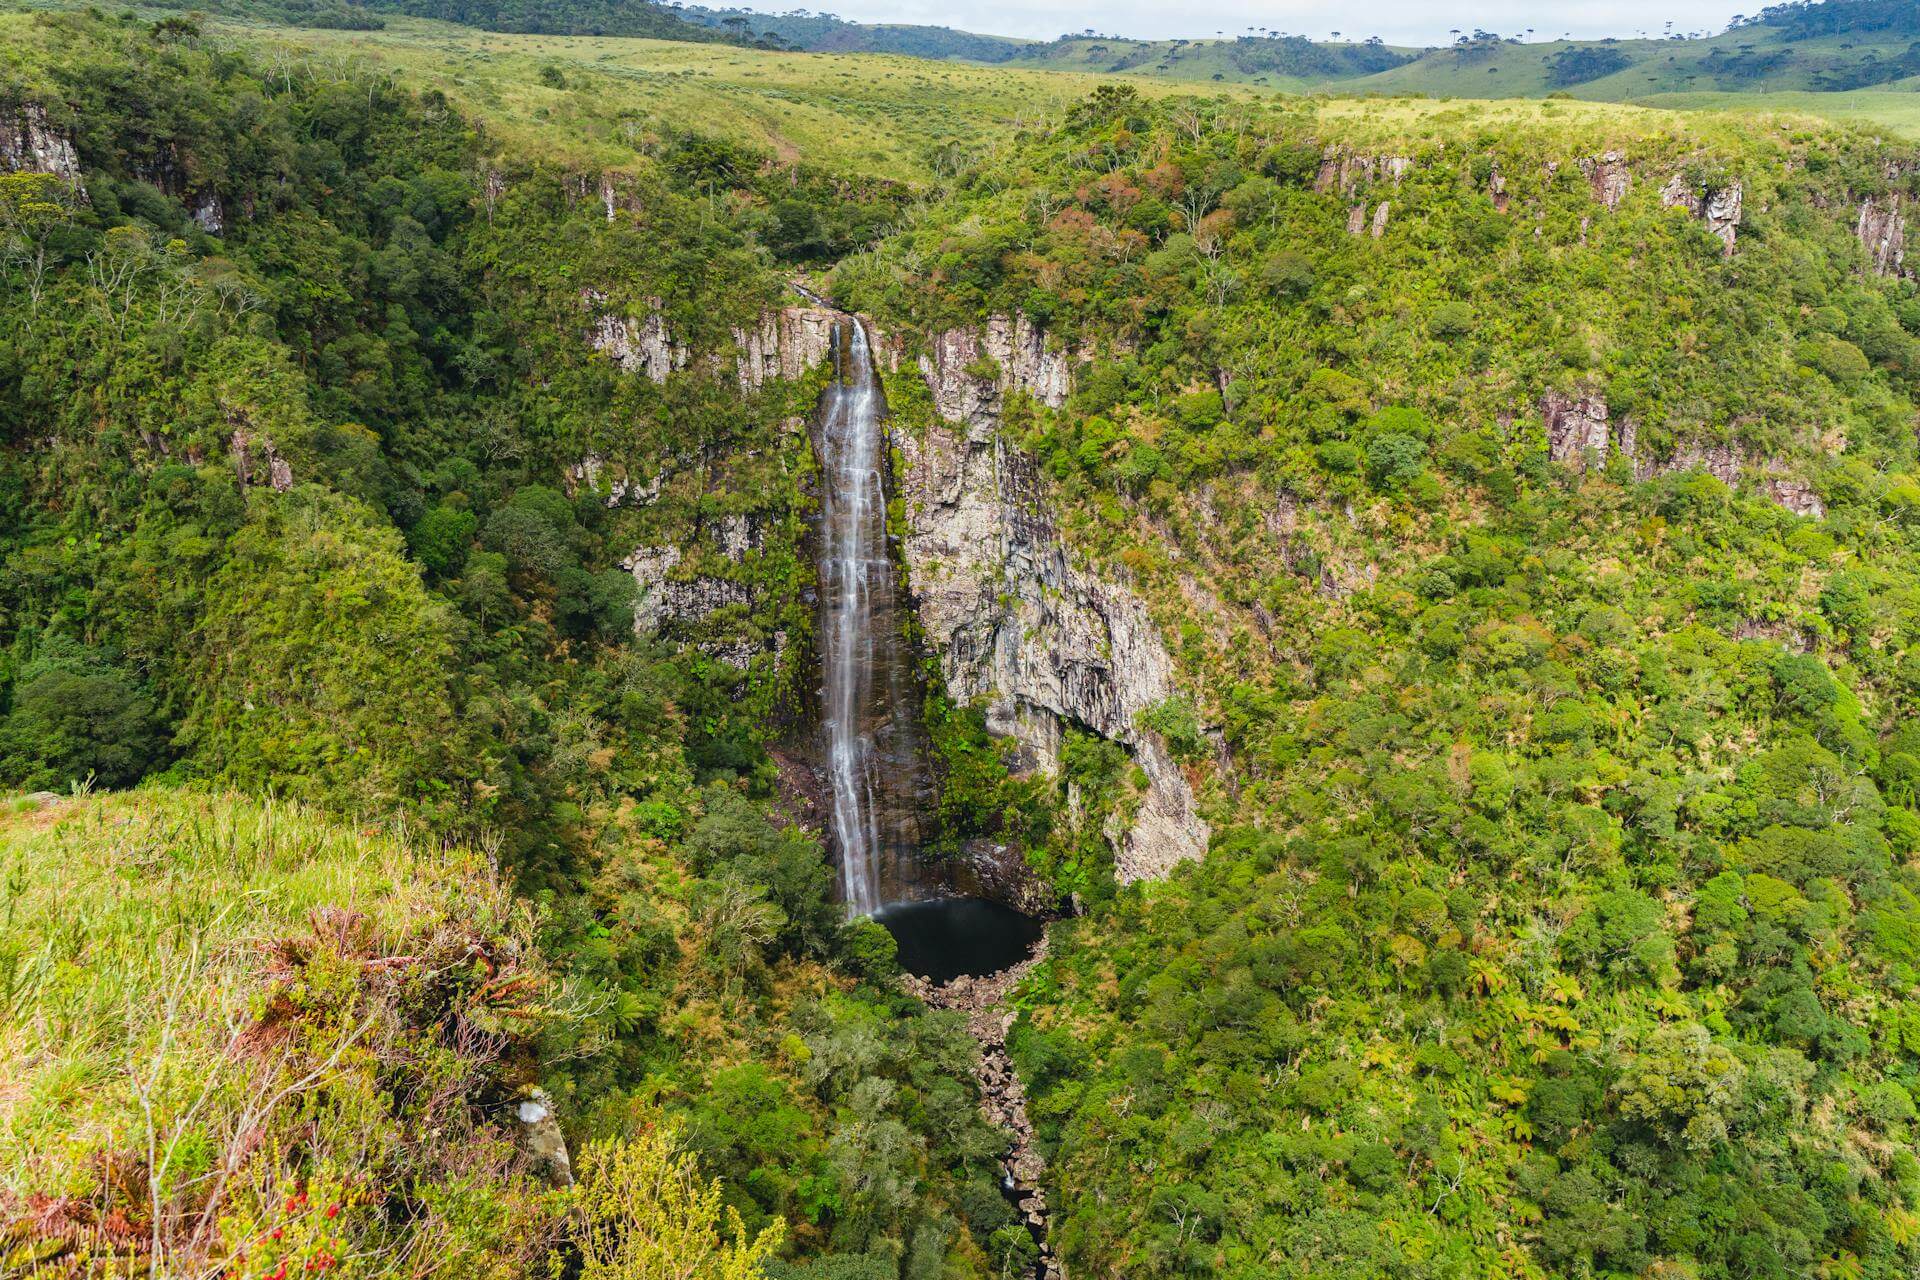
148 944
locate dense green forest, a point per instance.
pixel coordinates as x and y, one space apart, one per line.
292 386
1526 498
1561 916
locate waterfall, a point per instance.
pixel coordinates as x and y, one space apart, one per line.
858 628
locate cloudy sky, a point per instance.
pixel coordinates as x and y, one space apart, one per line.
1418 22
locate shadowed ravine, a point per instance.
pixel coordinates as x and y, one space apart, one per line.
965 952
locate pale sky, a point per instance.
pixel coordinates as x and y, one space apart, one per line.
1415 22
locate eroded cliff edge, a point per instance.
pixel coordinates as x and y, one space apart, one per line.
1016 625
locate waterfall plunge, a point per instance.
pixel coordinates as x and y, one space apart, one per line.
859 629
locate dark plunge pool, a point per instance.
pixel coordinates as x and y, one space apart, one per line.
943 938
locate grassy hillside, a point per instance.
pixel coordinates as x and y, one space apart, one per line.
894 117
209 1001
825 33
1747 59
1280 63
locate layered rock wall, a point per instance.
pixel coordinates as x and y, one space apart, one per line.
787 344
669 600
1580 428
1882 230
1014 623
30 144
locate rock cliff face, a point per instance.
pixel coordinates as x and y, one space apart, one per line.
28 143
1730 464
787 344
670 601
1013 622
257 461
1608 177
642 346
1581 431
1720 208
1580 428
209 213
1883 233
1011 619
1344 171
955 368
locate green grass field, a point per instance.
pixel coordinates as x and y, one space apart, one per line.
1896 111
889 115
877 114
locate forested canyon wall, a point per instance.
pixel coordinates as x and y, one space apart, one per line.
1015 624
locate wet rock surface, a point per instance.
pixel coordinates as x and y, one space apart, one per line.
1003 1099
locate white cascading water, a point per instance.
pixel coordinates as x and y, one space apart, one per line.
856 570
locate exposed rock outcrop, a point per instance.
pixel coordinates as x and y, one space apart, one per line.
620 487
541 1140
989 869
258 462
1579 428
1729 463
1343 171
643 346
955 372
786 345
209 214
669 600
1794 495
1003 1099
1608 177
1045 645
29 143
1720 208
1882 230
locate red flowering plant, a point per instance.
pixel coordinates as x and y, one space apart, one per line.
305 1231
